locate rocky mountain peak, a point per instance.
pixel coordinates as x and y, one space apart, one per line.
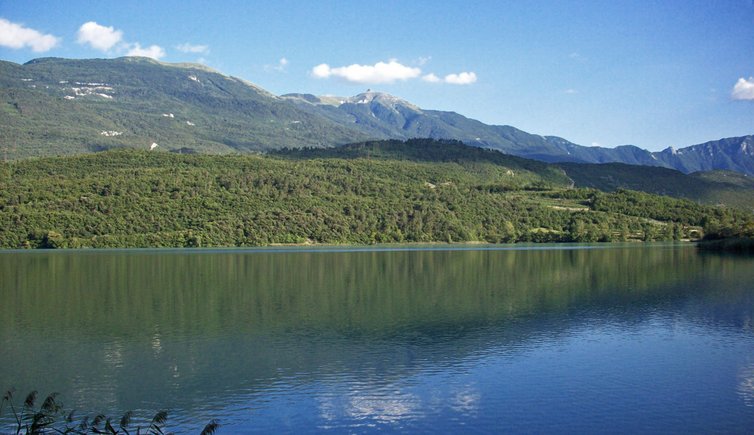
384 99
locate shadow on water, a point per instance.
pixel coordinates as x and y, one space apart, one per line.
131 330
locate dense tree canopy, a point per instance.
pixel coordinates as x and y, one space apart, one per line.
388 193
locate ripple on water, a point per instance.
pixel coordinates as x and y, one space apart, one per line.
580 341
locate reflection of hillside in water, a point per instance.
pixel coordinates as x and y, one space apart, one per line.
172 327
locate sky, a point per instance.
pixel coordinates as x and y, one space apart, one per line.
642 72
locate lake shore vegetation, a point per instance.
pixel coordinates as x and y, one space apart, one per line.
32 418
377 192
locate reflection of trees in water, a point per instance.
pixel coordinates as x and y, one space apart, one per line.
163 325
143 294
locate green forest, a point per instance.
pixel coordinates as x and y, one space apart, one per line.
418 191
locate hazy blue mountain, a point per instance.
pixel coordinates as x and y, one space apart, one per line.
384 116
735 153
715 187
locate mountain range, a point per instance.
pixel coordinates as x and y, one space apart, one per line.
385 116
54 106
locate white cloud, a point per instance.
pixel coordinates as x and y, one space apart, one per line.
280 66
464 78
381 72
570 91
321 71
192 48
107 38
388 72
153 51
99 37
743 89
423 60
17 36
431 78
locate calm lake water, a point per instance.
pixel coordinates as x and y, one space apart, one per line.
570 339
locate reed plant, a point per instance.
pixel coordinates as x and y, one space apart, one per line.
50 418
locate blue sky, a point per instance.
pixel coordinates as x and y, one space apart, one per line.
649 73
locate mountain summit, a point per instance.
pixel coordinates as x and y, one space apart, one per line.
393 117
64 106
67 106
386 116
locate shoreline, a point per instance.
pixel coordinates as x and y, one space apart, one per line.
733 245
382 247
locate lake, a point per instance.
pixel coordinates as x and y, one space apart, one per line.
571 339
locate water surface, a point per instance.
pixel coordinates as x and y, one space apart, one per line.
653 339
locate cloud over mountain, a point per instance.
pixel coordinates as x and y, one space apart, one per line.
153 51
108 38
192 48
464 78
16 36
387 72
279 67
99 37
431 78
381 72
743 89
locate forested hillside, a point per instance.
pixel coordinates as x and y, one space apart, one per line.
64 106
725 188
371 194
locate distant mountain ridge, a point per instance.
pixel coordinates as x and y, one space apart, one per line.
735 153
712 187
67 106
394 118
389 117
